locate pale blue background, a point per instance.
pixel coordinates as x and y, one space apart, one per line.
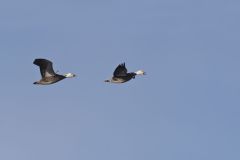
186 108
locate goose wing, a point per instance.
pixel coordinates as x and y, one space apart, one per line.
120 71
46 68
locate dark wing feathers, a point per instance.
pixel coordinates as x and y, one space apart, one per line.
46 68
120 71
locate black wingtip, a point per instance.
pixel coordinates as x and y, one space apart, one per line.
37 60
122 64
40 61
34 62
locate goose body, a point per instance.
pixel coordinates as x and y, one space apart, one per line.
120 75
48 74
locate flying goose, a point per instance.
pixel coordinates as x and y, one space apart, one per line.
48 74
120 74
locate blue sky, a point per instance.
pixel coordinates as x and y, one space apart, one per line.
187 107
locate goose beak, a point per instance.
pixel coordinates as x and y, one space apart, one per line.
106 81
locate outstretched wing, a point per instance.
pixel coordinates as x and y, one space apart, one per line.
120 71
46 68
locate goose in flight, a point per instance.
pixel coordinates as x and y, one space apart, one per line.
48 74
120 75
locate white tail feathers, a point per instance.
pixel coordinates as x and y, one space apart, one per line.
140 72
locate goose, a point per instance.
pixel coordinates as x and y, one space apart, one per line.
120 75
48 74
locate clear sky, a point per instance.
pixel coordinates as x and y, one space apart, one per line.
186 108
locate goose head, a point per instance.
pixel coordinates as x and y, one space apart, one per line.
69 75
140 72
